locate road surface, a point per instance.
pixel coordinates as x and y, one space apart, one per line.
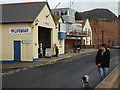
64 74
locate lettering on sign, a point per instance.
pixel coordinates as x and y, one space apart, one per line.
20 30
26 42
46 23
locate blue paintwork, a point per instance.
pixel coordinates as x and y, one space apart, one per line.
6 62
61 35
35 59
61 54
17 50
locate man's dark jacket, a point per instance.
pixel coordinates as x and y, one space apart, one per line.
104 59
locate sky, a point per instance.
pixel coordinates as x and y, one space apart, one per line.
78 5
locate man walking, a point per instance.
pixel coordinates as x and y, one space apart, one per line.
78 47
103 61
56 50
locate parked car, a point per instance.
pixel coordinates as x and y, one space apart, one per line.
116 47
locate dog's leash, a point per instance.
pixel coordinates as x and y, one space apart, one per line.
91 71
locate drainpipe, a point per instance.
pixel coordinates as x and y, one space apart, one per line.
102 36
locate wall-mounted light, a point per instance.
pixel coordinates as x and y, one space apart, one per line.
32 26
36 23
36 20
47 15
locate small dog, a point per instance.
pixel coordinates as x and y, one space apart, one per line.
85 81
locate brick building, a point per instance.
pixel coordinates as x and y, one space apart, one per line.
105 32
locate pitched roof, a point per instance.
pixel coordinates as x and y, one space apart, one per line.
81 22
21 12
57 18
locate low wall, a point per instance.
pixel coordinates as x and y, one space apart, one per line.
111 81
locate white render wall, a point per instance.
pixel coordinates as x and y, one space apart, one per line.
0 41
87 28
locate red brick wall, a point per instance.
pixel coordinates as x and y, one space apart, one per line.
110 30
119 32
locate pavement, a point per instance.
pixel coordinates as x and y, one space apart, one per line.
43 61
111 81
119 77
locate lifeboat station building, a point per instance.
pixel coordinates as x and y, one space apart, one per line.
27 30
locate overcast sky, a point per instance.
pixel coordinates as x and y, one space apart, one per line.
78 5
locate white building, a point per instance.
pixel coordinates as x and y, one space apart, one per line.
87 29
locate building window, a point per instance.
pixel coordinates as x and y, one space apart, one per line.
53 13
88 30
68 13
72 28
64 13
59 27
57 13
87 42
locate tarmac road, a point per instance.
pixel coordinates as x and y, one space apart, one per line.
64 74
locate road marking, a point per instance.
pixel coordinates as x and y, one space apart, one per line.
31 67
10 72
17 70
25 68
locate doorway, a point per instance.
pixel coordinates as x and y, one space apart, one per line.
17 50
44 37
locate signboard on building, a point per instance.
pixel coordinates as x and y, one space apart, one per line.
26 42
20 30
46 23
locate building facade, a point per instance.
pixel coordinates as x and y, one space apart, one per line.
67 14
26 28
71 28
61 33
86 28
77 32
105 32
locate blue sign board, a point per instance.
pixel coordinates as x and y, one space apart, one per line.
61 35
